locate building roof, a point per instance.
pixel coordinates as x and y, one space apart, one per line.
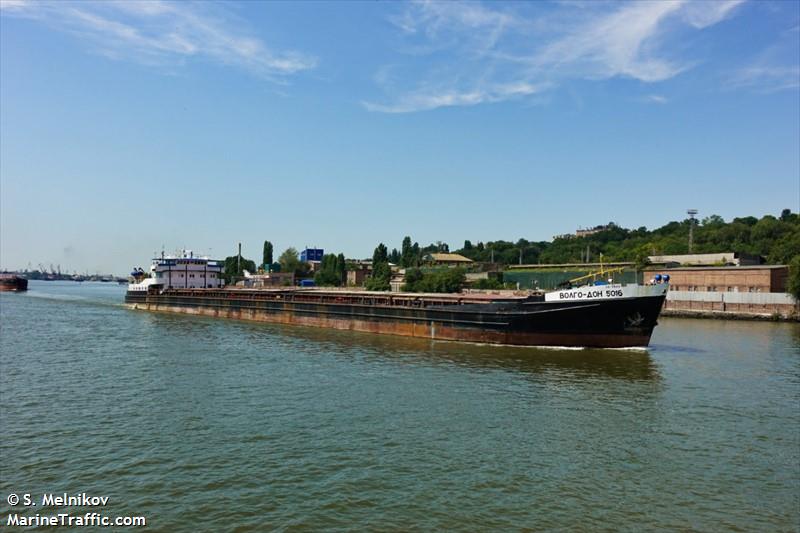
449 258
581 266
731 267
715 259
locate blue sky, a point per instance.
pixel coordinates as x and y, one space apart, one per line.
128 126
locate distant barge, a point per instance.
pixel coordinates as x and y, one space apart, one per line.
12 282
611 316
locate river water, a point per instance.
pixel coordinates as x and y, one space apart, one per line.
203 424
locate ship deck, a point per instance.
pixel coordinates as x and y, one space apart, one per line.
329 295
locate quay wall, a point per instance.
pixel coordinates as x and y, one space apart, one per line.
732 304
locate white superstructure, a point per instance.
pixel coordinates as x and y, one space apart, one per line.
183 272
607 292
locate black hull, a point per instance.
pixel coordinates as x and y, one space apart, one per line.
624 322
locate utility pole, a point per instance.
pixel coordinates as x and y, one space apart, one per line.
239 260
691 213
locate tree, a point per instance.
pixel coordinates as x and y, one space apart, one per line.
381 273
713 220
329 273
234 268
267 256
341 269
380 254
488 284
412 279
782 251
642 256
444 280
748 221
379 281
289 260
406 253
777 239
793 285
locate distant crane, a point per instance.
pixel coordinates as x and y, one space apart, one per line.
691 213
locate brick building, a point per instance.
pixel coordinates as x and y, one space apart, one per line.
753 278
356 277
746 291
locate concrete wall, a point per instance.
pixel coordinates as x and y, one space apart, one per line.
746 303
356 278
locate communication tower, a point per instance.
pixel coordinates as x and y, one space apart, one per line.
691 213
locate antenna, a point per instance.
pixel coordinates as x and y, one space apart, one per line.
691 213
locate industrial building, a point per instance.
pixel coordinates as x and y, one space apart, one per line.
755 290
310 255
753 278
357 276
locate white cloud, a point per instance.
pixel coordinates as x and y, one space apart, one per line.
432 99
12 5
492 47
161 32
776 68
767 78
704 14
613 45
656 99
454 21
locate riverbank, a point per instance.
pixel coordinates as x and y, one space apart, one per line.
730 315
775 306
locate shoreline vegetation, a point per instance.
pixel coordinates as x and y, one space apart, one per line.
774 238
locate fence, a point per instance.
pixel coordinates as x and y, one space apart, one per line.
745 303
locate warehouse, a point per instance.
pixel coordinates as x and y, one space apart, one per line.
753 278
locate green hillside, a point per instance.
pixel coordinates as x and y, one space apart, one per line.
777 239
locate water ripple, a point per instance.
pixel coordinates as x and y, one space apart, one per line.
203 424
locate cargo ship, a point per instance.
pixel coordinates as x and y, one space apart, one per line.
600 314
12 282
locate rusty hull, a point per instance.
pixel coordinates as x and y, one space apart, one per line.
519 322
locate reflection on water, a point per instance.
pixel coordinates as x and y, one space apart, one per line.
634 364
619 364
258 426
